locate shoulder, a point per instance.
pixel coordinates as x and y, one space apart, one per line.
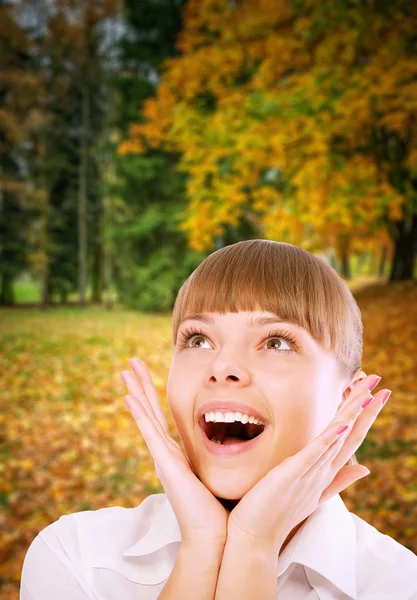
49 575
386 569
65 552
86 530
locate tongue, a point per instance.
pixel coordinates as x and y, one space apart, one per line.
232 440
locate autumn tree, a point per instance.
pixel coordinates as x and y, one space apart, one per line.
297 116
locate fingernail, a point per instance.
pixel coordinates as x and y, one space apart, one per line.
386 396
342 429
367 401
374 383
122 375
134 362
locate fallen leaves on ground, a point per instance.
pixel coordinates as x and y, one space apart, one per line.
69 443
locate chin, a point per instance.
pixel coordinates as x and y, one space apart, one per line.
228 486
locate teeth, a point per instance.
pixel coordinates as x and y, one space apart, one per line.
230 417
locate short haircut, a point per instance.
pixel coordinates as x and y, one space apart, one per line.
282 279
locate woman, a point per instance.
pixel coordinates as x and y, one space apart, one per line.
270 403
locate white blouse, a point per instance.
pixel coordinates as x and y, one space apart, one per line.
121 553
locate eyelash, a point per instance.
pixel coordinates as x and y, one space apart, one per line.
190 332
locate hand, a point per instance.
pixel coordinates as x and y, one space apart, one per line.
294 489
201 517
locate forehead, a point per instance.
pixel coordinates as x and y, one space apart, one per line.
253 319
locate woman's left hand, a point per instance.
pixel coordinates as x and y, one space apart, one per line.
294 489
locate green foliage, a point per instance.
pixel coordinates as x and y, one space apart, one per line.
151 260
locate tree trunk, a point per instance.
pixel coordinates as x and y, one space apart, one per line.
219 241
362 258
345 266
108 275
97 271
332 260
6 292
402 268
373 263
342 249
82 198
45 292
382 262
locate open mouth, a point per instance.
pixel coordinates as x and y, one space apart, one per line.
230 433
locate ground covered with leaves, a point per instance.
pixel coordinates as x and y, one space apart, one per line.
69 443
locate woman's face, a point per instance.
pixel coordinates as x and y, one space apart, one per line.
298 390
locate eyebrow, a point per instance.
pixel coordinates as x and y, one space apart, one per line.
252 322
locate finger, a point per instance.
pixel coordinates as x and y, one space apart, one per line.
171 465
141 370
339 447
343 479
319 451
360 420
359 430
136 390
360 384
139 397
309 458
151 433
353 385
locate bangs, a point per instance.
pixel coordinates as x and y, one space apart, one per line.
282 279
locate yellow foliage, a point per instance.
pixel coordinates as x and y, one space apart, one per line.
251 91
71 444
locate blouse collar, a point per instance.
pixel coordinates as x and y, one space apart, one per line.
325 545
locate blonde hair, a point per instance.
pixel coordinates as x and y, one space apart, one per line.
282 279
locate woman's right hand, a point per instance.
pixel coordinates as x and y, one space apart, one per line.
201 517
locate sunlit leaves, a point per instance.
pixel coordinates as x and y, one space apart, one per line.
308 91
69 442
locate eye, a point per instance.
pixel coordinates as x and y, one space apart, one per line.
274 339
283 335
187 334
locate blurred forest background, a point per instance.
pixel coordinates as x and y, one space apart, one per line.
137 137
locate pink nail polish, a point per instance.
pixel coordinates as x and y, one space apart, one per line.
374 383
386 396
367 401
342 429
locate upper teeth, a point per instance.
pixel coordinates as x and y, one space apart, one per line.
230 417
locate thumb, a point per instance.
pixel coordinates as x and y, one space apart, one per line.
343 479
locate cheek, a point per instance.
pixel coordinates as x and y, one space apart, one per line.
297 397
294 382
180 396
